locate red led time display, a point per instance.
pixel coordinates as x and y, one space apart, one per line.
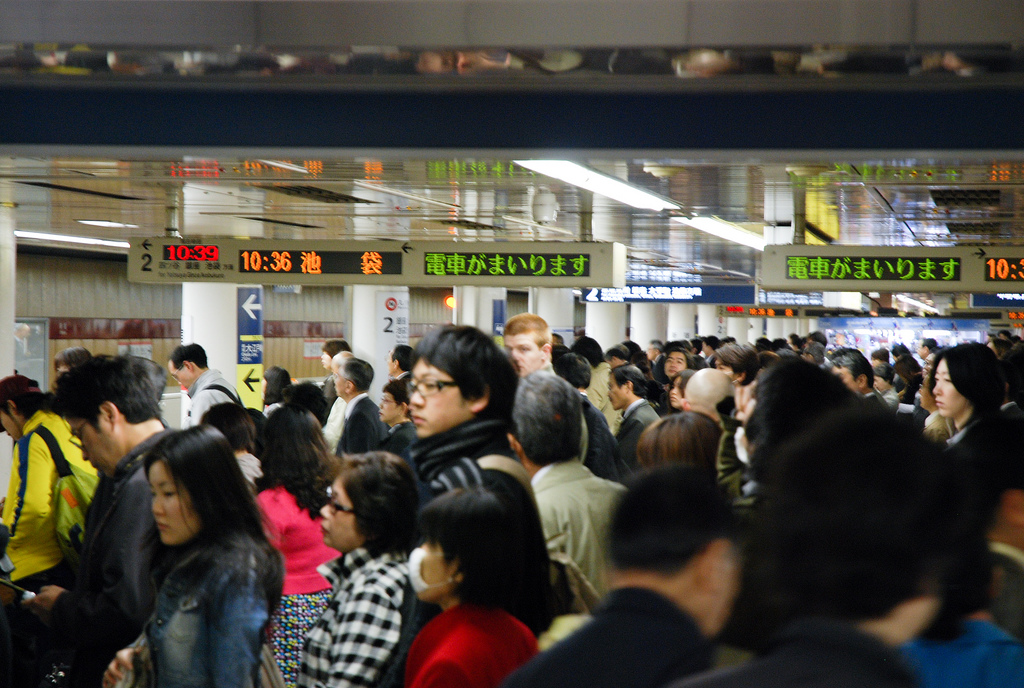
192 252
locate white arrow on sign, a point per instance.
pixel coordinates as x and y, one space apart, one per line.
250 305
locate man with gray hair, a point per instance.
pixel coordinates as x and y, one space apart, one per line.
575 505
363 430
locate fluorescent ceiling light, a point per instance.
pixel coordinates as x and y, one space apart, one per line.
285 166
589 179
724 230
105 223
914 302
64 238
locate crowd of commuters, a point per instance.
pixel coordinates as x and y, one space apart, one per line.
534 516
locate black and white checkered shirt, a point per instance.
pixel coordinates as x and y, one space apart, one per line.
357 633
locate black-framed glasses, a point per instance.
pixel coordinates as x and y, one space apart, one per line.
427 388
338 507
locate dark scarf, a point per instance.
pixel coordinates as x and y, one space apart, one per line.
448 459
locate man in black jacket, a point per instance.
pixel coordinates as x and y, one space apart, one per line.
113 409
364 430
600 452
626 389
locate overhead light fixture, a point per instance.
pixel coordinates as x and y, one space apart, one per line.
404 194
724 230
105 223
285 166
67 239
599 183
917 304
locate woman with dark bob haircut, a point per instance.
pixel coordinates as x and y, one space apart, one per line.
275 379
467 567
297 468
218 577
370 518
688 438
740 363
969 386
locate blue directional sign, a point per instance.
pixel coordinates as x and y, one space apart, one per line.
249 370
1003 300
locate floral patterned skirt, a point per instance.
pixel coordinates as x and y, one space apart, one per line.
288 627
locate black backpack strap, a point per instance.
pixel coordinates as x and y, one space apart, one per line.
63 469
224 390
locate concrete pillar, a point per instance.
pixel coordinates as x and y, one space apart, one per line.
682 319
707 320
606 322
776 328
792 325
648 321
557 307
485 308
465 306
8 255
209 318
812 325
738 328
367 322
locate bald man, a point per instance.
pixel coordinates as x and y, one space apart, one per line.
704 392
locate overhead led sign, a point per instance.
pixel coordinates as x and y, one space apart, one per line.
433 263
672 293
883 268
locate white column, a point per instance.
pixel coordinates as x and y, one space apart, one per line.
485 298
738 328
812 325
648 321
8 255
606 322
776 328
682 318
707 320
792 325
756 329
363 325
465 305
209 318
557 307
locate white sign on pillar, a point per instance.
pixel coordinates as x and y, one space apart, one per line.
392 327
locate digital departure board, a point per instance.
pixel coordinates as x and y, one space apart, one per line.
405 263
1004 270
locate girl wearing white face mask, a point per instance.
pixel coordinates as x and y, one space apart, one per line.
370 517
467 568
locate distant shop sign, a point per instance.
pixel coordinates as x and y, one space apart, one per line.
672 293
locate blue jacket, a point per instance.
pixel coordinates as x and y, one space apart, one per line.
206 635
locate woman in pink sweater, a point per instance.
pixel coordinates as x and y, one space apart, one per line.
296 469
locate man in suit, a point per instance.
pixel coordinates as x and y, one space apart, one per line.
850 366
626 386
599 453
364 430
575 505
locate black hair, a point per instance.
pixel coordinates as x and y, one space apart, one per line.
475 528
296 457
819 337
574 369
235 423
742 359
385 498
188 352
632 347
930 344
156 373
632 375
359 373
232 536
335 347
82 390
667 516
994 451
975 373
277 379
30 403
617 351
880 355
402 355
588 348
309 396
558 350
830 555
854 361
885 372
476 364
676 347
399 391
900 350
1011 373
791 396
796 341
763 344
712 341
71 357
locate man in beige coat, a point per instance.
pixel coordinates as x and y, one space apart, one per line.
575 505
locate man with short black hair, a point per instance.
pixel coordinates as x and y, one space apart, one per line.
599 454
927 350
363 430
112 408
206 387
626 386
575 505
400 362
858 532
708 348
617 356
850 366
674 577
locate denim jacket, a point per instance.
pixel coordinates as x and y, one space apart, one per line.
207 635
